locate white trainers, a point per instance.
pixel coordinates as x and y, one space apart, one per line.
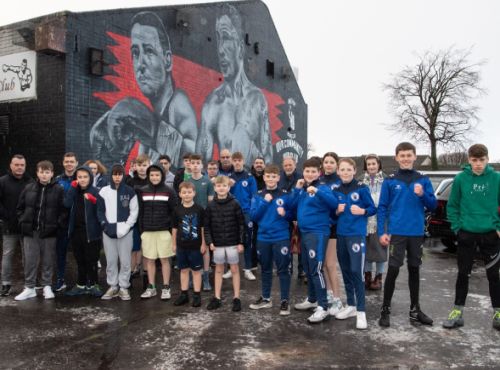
165 293
48 293
26 294
319 315
148 293
249 275
346 312
227 275
261 303
336 307
124 294
111 293
306 305
361 321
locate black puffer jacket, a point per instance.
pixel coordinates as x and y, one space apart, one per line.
224 222
41 208
10 191
156 205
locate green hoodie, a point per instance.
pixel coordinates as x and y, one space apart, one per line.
474 201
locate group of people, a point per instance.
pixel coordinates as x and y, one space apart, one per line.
209 218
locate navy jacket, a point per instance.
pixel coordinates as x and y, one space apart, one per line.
244 188
272 226
288 182
354 193
400 210
92 223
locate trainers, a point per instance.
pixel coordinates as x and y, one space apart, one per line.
38 286
95 291
306 305
361 321
261 303
496 319
165 293
336 307
149 292
76 290
346 312
206 282
60 285
417 315
5 290
318 316
124 294
48 293
455 319
385 317
284 308
196 300
236 305
254 268
214 304
227 275
182 299
111 293
249 275
27 293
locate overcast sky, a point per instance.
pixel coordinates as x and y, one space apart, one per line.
345 50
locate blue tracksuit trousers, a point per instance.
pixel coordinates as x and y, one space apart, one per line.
279 252
313 249
351 255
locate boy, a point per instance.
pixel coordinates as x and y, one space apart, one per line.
243 188
473 213
184 173
355 206
269 208
400 226
84 232
188 242
313 203
156 205
40 211
117 210
204 193
224 233
212 169
166 162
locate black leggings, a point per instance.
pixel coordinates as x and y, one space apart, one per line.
413 284
86 255
489 248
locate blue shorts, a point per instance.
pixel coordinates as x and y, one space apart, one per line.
189 259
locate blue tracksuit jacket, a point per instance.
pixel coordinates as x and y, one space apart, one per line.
244 189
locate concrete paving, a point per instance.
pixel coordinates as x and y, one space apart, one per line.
87 333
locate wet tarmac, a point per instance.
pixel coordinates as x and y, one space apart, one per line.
88 333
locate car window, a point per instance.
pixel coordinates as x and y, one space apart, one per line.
445 193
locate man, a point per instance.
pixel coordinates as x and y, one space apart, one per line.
11 186
226 165
258 172
165 163
237 108
22 72
171 127
70 163
289 175
212 169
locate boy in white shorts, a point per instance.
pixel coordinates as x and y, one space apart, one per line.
224 233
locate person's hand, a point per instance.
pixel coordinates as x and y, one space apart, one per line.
74 184
340 208
419 190
281 211
356 210
300 183
231 183
312 190
385 240
240 248
90 198
268 197
212 247
174 248
203 248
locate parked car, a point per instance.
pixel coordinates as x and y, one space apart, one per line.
437 177
438 225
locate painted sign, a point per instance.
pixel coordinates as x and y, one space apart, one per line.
18 76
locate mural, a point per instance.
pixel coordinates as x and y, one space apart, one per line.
17 76
167 104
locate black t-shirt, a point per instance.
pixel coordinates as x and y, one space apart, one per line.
188 221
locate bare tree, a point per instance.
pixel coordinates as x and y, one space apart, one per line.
453 158
433 100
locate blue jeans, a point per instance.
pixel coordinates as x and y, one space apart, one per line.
248 242
379 266
279 252
351 255
61 251
313 249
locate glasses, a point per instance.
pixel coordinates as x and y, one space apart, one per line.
224 156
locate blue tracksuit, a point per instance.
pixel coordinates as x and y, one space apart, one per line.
313 217
351 239
400 210
273 238
243 190
332 181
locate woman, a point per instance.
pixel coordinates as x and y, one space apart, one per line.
99 172
375 252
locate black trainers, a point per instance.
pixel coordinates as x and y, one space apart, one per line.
196 300
385 317
214 304
236 305
5 290
418 316
182 299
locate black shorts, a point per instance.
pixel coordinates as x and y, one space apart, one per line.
189 259
333 232
411 246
